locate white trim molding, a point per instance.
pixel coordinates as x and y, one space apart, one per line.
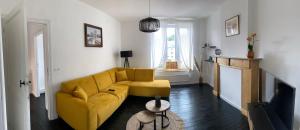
3 118
48 90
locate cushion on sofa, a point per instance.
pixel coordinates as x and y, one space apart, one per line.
103 80
105 104
144 75
129 72
80 93
121 76
86 83
121 91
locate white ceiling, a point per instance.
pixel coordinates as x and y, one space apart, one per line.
125 10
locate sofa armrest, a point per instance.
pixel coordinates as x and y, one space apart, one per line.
144 75
76 112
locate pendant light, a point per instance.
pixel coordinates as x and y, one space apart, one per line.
149 24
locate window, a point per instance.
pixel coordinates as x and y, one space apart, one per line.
172 45
171 52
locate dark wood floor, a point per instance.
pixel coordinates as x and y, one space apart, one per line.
195 104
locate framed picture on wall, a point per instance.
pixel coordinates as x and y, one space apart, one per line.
232 26
93 36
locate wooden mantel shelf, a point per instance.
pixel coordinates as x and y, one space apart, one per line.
250 78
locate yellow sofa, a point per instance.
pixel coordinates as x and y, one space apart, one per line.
105 94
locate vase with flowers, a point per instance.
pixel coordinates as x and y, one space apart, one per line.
251 41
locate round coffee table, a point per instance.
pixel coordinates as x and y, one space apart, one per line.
160 111
146 117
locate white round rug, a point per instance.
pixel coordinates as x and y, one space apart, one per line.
176 123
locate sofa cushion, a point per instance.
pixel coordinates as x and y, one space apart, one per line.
112 73
150 89
121 91
144 75
105 104
80 93
124 83
86 83
129 72
121 76
103 80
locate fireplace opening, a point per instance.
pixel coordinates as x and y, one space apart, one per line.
283 103
276 112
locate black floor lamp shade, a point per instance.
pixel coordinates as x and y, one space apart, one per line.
126 54
149 25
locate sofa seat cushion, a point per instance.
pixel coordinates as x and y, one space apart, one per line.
104 104
150 89
124 83
121 91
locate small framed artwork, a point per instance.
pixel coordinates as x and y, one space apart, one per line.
232 26
93 36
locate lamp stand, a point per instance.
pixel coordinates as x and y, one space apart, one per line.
126 63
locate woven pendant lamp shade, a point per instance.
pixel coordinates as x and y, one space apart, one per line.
149 25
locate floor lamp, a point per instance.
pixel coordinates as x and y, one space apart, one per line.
126 54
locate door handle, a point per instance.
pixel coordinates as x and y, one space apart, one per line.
24 83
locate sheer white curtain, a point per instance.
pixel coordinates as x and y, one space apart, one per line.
184 44
158 47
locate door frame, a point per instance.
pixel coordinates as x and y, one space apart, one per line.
48 65
3 119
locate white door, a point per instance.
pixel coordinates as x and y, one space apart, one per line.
16 71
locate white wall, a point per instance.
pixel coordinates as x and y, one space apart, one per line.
8 5
277 26
70 59
235 46
276 23
140 44
213 37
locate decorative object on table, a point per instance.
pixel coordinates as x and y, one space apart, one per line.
232 26
126 54
157 101
149 24
176 123
93 36
160 111
251 41
218 52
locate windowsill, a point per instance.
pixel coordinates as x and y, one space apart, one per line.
173 70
